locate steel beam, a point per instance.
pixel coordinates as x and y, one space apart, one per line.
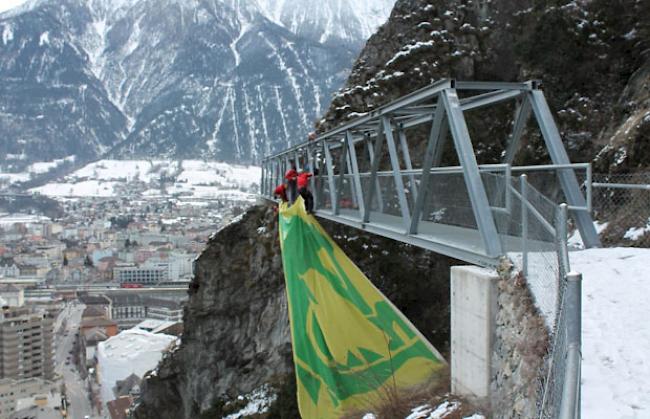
568 179
397 176
521 117
371 156
348 162
488 99
312 167
434 139
475 188
264 177
374 182
341 180
296 160
490 85
437 160
405 101
406 155
355 173
330 175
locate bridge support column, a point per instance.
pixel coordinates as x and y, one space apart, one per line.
473 319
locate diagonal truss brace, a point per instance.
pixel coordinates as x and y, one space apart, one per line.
467 159
397 176
559 156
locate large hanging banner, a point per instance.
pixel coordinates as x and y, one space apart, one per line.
350 344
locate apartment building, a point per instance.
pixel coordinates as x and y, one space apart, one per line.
141 274
25 391
166 310
26 344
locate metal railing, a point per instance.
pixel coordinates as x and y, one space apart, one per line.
544 259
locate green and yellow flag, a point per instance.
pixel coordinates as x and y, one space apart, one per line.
349 342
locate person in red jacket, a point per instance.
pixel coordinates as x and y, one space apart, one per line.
291 176
303 190
281 192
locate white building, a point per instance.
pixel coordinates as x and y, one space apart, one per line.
170 311
12 295
130 352
8 268
145 274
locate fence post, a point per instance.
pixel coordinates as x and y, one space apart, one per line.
561 231
524 224
570 405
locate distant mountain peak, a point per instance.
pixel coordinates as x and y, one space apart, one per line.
223 79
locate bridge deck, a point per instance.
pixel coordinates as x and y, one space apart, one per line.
454 241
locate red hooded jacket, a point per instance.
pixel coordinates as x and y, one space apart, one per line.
281 191
303 179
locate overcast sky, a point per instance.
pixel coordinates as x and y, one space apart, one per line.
8 4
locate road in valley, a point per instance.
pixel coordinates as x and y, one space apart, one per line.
67 326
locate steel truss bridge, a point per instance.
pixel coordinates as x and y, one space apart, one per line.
382 173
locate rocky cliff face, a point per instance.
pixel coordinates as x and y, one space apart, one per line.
236 328
237 337
592 56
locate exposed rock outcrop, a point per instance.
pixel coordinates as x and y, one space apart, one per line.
520 344
237 336
592 56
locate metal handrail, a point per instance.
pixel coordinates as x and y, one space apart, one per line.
643 187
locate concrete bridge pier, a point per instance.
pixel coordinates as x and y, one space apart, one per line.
473 327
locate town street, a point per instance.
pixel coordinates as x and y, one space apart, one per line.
76 387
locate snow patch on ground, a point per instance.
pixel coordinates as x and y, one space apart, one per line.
615 332
426 411
635 233
259 401
35 168
87 188
44 39
14 177
575 240
439 412
7 34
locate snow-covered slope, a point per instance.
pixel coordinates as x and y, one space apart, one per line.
187 179
226 79
615 332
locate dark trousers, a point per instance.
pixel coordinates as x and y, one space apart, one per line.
309 199
292 195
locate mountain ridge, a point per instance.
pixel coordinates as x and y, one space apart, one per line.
224 79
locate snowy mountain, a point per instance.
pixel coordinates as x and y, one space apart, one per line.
224 79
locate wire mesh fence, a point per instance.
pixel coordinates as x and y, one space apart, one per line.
621 204
528 236
533 234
